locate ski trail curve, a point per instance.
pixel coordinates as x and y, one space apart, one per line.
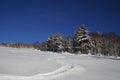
65 68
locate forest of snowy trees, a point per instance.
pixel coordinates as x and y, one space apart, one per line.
81 43
84 43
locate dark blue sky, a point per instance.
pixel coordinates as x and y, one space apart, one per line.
34 20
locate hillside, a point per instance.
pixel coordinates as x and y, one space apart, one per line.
31 64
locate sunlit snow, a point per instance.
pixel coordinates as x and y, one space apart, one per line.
31 64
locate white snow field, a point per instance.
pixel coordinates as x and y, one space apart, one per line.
31 64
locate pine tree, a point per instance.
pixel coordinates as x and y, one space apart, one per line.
76 44
55 43
59 41
68 44
51 43
82 42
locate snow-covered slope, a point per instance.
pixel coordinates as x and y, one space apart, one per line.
30 64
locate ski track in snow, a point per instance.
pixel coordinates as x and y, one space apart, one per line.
14 65
65 68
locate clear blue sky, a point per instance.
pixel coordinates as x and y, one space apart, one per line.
34 20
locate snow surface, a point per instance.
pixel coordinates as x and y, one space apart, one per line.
31 64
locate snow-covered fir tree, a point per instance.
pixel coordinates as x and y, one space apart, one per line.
51 43
68 44
59 41
55 43
82 42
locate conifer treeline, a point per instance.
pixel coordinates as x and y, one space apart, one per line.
84 43
81 43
